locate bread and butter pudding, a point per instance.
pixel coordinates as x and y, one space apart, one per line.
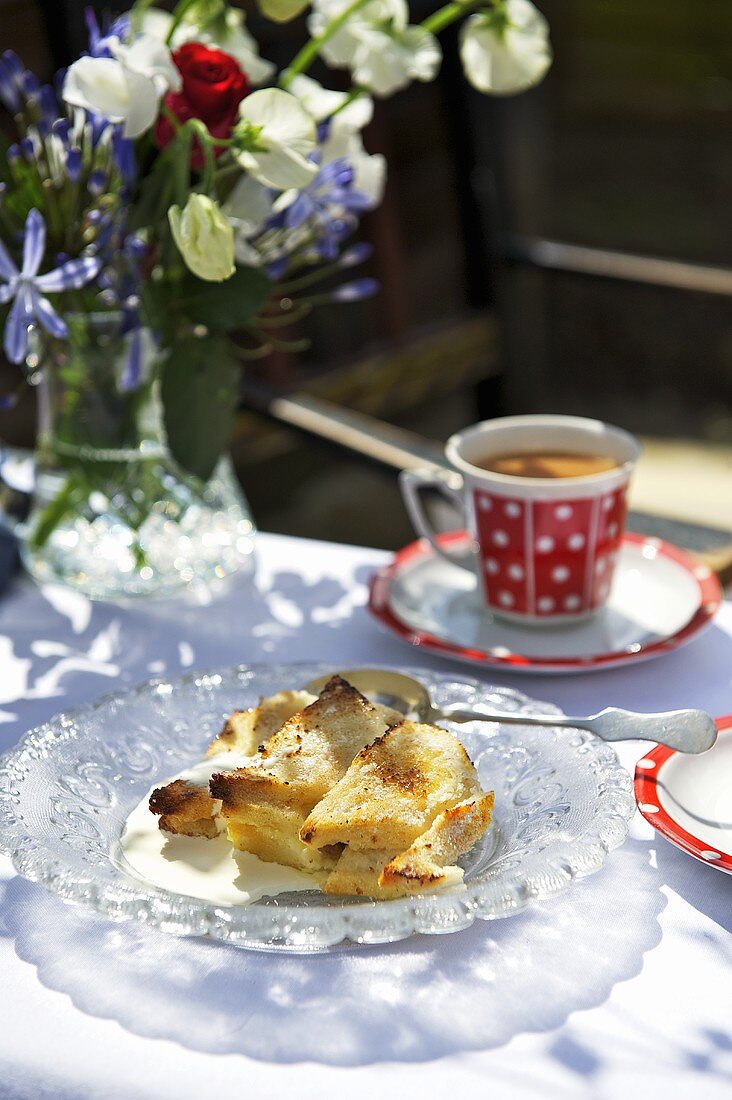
349 792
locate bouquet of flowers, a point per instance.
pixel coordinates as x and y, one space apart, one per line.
173 179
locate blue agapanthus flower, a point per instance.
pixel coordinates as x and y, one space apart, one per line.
27 289
103 38
331 203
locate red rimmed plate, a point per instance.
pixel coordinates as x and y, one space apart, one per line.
688 799
661 598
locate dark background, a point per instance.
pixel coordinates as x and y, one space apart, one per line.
625 149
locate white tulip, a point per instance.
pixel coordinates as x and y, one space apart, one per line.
386 62
126 88
204 237
506 51
229 35
282 135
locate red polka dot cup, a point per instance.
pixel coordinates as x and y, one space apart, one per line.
544 548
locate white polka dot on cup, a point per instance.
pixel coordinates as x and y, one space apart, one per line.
500 538
571 603
564 511
512 509
608 503
545 544
560 573
576 542
492 566
600 565
485 504
506 599
612 530
516 572
545 603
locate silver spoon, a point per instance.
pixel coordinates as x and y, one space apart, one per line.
684 730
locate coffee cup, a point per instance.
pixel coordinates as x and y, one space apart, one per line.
544 548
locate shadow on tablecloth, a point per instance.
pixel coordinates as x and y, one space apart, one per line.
412 1002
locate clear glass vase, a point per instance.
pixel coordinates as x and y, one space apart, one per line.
113 514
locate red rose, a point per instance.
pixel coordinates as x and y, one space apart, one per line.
213 87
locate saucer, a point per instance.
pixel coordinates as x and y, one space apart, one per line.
661 598
688 799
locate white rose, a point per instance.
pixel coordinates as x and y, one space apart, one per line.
204 237
506 53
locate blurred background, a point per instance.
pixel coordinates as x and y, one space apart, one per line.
569 250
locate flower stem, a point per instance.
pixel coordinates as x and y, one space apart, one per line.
445 16
178 16
355 93
304 59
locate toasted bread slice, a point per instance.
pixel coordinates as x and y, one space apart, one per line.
297 766
186 809
427 865
243 733
246 730
393 790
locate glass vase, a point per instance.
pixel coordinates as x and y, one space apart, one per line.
113 514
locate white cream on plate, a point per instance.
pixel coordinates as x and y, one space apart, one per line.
201 868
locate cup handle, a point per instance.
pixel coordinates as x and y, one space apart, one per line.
411 482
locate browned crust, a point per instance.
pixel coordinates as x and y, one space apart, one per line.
185 809
422 865
260 787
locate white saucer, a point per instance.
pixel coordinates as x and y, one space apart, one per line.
661 597
689 798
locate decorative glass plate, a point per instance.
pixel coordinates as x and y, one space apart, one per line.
562 803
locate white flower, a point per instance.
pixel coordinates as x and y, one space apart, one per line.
126 88
385 62
228 34
321 103
343 138
340 49
240 44
504 52
249 205
282 135
205 238
383 52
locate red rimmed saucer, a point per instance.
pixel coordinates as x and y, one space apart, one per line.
688 799
661 598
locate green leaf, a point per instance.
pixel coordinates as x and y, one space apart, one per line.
221 307
200 392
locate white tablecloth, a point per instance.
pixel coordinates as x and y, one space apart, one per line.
621 987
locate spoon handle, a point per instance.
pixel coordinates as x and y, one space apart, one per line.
684 730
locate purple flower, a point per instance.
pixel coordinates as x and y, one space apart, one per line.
74 164
355 291
28 288
102 39
9 94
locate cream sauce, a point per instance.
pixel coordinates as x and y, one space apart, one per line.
201 868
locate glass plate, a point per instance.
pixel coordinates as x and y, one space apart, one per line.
562 803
